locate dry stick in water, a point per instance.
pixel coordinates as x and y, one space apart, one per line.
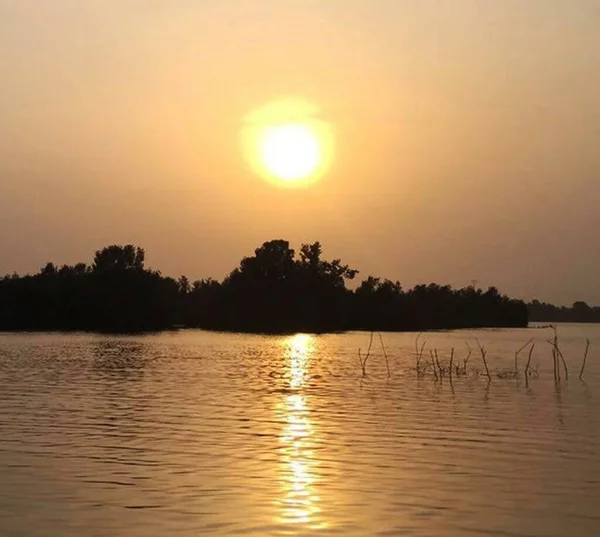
419 352
451 360
422 350
554 357
433 364
466 360
587 348
528 364
387 362
437 361
483 353
557 353
519 352
417 355
363 363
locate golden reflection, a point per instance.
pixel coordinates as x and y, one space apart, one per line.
299 503
299 349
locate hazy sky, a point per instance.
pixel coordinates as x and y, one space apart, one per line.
467 133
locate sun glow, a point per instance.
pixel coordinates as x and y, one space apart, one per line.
287 143
290 152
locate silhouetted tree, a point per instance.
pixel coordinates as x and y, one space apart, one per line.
579 312
271 291
119 258
183 285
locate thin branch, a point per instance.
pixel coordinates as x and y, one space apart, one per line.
419 352
363 363
370 343
387 362
466 360
587 348
556 354
437 361
563 362
519 352
483 353
528 364
433 364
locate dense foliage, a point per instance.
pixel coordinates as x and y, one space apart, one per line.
580 312
274 290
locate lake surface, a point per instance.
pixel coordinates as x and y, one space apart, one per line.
197 433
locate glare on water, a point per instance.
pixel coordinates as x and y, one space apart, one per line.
300 501
197 433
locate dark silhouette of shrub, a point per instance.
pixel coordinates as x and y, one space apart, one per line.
274 290
580 312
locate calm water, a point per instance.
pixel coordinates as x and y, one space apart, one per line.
196 433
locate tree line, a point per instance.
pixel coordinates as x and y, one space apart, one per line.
579 312
275 290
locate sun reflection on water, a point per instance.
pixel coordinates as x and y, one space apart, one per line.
299 349
299 503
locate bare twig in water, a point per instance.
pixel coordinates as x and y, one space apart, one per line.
387 362
528 364
417 355
466 360
556 354
483 353
451 360
587 348
433 364
419 352
564 362
519 352
437 361
363 362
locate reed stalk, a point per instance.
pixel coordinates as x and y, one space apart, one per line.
519 352
554 357
556 354
419 352
528 364
433 364
466 360
437 361
387 362
564 362
483 353
363 363
585 355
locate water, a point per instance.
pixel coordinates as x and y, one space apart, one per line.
196 433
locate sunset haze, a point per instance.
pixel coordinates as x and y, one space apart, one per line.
467 136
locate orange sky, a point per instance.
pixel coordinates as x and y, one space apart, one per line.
467 135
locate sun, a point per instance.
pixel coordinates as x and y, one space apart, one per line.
290 152
287 142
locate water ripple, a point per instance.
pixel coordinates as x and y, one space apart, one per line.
226 434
